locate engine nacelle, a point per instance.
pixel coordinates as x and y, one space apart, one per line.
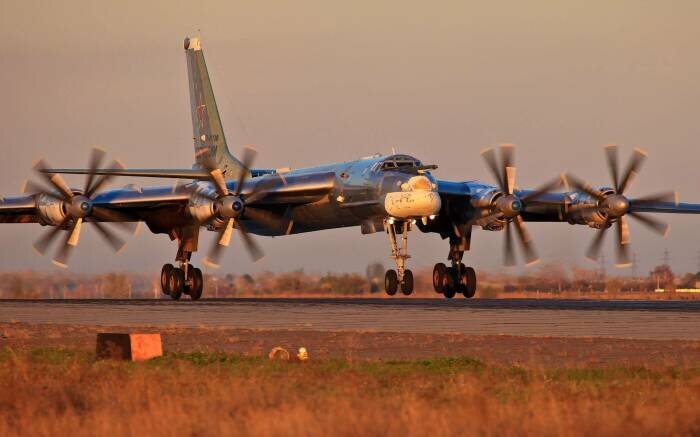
51 211
581 209
482 199
200 206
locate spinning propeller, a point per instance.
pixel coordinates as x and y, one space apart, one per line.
231 206
76 207
614 206
508 206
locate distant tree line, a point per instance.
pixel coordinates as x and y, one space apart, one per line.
548 278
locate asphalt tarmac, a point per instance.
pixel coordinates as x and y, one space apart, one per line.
528 317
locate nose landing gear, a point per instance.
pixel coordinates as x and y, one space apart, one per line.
401 277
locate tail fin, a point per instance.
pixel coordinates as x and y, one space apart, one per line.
208 133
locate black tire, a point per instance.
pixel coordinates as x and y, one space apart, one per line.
461 283
439 272
197 284
165 273
470 282
451 283
391 282
177 284
407 284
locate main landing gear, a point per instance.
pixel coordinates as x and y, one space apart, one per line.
186 279
457 278
401 278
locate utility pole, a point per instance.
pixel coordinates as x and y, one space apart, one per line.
668 272
601 268
603 273
667 257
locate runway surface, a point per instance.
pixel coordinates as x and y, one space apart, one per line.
558 318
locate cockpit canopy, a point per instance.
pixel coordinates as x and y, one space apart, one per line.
395 162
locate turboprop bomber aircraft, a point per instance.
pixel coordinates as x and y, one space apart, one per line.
382 193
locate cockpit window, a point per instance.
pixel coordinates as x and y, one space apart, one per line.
399 162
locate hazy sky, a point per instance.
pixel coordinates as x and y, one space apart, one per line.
316 81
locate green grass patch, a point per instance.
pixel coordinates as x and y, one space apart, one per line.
223 360
443 367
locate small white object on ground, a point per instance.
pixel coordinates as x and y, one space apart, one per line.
303 355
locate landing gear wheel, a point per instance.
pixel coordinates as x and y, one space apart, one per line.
391 282
469 282
165 274
176 283
461 283
197 284
439 277
451 283
407 284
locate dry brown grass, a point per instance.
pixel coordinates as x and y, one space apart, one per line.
66 392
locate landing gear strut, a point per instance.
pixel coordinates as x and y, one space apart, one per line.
186 279
401 277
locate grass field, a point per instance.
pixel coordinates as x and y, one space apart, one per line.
55 391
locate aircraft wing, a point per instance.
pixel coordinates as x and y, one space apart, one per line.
25 209
164 173
18 210
459 199
552 206
143 204
667 207
450 188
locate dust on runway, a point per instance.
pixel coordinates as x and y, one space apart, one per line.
659 320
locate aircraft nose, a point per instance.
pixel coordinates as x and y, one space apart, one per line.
412 204
419 183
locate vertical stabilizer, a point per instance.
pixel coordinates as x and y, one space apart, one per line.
208 133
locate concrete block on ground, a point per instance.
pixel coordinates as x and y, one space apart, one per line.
131 347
